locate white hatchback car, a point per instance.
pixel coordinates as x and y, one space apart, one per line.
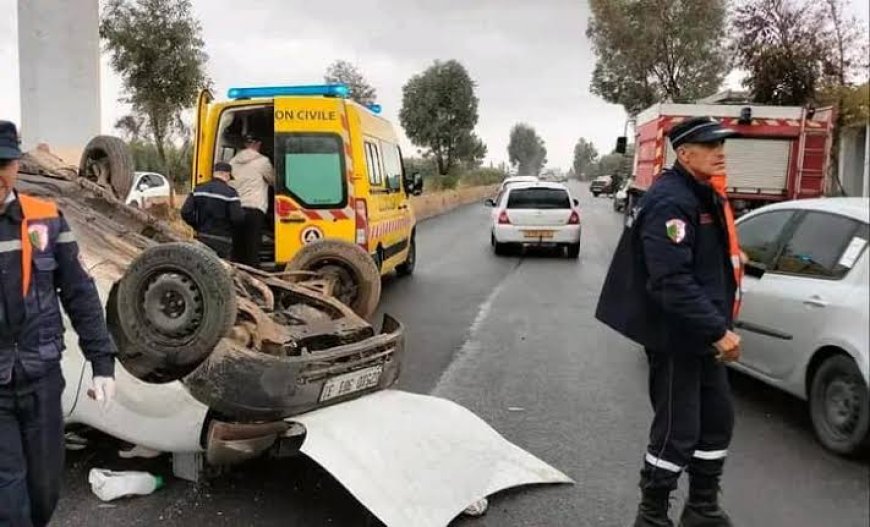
804 323
148 188
535 214
516 180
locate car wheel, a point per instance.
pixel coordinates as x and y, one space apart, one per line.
357 278
170 309
839 406
595 194
107 161
500 249
573 250
407 267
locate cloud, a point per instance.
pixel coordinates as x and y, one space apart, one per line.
530 60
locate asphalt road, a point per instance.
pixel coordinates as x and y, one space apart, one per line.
514 340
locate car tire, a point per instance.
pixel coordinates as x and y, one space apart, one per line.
105 153
407 267
573 250
840 406
595 194
170 309
356 272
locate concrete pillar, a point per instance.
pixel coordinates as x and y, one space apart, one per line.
59 53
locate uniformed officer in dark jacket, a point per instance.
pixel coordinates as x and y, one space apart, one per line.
672 287
214 209
40 267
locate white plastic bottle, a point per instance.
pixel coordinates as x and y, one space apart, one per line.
109 485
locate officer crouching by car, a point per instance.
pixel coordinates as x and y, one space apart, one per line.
674 287
214 210
39 264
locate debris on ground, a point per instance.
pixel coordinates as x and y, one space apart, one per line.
109 485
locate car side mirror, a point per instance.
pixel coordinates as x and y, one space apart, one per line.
417 184
576 202
489 202
621 145
754 269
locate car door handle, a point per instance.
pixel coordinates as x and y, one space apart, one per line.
816 301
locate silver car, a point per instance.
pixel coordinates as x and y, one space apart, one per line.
804 322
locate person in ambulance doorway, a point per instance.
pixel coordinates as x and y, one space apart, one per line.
253 177
674 287
40 268
214 210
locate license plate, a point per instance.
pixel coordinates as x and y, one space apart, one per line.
538 234
354 381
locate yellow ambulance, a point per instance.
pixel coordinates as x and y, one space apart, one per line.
338 167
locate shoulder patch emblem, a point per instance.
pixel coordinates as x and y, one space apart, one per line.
676 230
38 236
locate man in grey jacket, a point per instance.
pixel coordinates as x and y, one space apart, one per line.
253 176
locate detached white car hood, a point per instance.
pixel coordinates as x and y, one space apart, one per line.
416 459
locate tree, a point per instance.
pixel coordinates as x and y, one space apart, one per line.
439 111
471 150
653 50
526 150
780 45
845 38
157 48
343 72
585 157
130 127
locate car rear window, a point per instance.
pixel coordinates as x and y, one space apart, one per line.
538 198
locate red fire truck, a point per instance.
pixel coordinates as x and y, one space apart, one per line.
782 153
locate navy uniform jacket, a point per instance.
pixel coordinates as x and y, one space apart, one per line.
31 325
213 209
671 285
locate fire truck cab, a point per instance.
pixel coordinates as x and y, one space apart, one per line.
782 152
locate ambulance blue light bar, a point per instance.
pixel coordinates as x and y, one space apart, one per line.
374 108
328 90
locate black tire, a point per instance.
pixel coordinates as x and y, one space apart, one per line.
573 250
595 194
170 309
407 267
358 276
106 152
840 406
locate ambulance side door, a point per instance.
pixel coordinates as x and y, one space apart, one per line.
379 209
399 200
202 152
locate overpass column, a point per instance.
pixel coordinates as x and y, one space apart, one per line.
59 54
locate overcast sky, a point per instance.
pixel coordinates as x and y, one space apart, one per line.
530 58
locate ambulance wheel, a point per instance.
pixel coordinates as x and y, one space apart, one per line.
839 406
170 309
357 279
406 268
107 161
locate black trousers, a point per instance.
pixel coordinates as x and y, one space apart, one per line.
248 237
31 448
222 245
693 423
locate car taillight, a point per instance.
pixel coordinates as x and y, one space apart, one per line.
362 223
575 218
503 218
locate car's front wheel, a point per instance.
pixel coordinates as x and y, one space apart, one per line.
840 406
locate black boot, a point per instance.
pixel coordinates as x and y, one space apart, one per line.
703 510
653 509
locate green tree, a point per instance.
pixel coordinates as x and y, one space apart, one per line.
585 157
653 50
526 150
157 48
779 43
343 72
439 111
471 150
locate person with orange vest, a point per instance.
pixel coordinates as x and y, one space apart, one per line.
674 287
41 269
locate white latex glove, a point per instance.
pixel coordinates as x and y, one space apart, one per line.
102 390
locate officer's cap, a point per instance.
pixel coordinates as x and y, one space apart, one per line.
9 141
699 130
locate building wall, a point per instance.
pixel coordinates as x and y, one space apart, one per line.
854 156
59 52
